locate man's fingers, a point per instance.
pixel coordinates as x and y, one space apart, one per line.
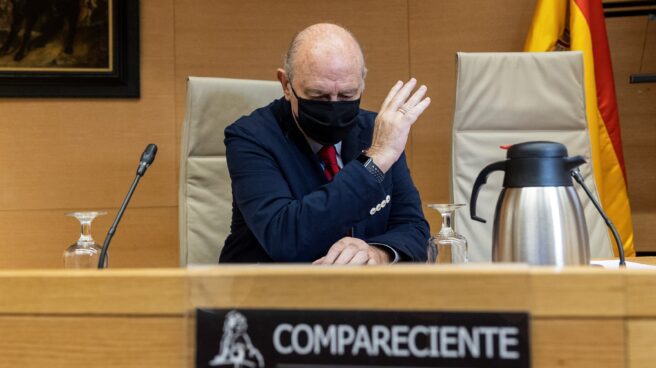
418 109
402 95
351 251
415 99
332 254
360 258
345 257
397 86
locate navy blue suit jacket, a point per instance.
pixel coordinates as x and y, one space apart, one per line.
284 208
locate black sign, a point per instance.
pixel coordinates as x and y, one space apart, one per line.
258 338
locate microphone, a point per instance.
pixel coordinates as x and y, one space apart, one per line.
147 158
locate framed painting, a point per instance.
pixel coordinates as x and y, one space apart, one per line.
69 48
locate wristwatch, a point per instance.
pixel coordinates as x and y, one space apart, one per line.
369 164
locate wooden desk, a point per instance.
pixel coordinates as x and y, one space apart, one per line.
580 317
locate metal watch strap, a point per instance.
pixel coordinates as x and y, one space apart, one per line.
369 164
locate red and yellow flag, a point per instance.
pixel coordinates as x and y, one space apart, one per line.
580 25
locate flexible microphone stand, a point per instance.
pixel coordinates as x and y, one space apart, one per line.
147 159
576 174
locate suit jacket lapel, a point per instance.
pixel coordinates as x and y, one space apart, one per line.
352 145
357 140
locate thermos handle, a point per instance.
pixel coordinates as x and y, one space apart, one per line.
480 180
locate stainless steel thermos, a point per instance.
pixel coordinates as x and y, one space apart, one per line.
539 219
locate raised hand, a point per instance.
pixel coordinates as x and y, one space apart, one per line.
397 114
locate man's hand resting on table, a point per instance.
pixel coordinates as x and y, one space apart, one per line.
355 251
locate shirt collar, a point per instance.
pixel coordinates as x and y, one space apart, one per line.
316 146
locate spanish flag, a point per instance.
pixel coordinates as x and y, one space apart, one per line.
580 25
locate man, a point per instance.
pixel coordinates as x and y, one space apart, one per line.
316 179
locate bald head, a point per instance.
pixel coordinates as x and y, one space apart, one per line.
323 43
324 63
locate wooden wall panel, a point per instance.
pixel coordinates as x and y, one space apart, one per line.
641 352
640 296
592 343
362 288
58 155
93 342
89 292
438 29
82 153
633 50
247 39
146 237
575 293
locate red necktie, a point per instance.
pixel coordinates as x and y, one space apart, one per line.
329 157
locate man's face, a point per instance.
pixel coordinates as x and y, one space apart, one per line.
325 76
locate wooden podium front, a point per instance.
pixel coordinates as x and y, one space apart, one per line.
580 317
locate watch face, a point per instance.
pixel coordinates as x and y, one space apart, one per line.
370 165
364 159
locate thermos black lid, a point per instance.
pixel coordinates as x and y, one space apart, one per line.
539 149
530 164
539 164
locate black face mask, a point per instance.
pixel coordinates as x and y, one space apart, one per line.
327 122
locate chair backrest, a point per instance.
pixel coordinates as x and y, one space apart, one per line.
507 98
205 195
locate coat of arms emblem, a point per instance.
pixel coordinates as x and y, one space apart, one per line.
236 349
